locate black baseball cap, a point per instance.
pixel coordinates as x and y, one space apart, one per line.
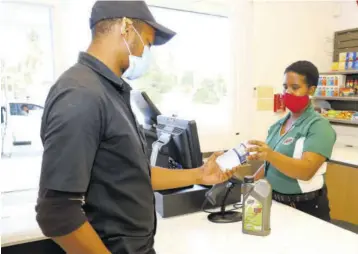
103 10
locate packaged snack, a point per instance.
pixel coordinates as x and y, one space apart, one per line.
355 116
351 56
335 66
342 56
320 81
323 91
324 81
336 92
344 91
350 65
318 91
342 66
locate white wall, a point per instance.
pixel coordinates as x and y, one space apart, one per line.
268 36
348 15
284 32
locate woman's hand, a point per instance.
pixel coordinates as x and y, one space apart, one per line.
260 149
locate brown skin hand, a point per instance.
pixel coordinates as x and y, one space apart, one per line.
208 174
303 168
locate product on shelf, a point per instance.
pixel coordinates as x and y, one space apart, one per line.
345 91
342 56
335 66
351 58
347 61
340 115
342 61
328 85
352 83
355 116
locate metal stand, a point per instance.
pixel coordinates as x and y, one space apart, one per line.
157 146
225 216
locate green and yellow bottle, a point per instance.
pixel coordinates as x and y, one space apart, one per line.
256 207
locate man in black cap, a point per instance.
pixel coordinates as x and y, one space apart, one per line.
96 185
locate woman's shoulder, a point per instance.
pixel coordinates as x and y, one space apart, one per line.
321 124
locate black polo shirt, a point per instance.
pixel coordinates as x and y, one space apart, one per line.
94 145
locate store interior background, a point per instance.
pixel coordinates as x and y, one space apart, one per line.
264 38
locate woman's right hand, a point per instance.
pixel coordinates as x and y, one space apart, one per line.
260 149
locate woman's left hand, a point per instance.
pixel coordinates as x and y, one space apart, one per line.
260 149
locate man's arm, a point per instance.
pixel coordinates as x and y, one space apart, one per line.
208 174
68 228
71 134
163 178
82 240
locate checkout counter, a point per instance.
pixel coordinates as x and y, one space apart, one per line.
293 232
341 180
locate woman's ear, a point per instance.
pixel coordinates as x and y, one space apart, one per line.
312 90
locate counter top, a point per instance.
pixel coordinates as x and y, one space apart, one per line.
345 155
193 233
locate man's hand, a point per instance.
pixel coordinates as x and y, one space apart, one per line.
260 149
210 173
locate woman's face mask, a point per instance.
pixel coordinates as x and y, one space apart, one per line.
295 103
296 92
138 66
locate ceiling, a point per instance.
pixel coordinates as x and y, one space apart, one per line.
218 7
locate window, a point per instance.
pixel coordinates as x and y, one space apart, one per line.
27 71
189 76
16 109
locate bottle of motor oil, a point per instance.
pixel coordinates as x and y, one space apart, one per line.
256 207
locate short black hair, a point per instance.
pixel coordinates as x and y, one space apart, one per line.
306 69
105 26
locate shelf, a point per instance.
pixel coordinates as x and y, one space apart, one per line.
329 98
341 121
348 72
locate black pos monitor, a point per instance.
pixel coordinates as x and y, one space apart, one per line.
178 141
174 143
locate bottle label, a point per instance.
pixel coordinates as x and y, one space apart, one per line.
253 215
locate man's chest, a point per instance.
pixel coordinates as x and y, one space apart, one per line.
123 138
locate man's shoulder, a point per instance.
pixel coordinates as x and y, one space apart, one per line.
78 78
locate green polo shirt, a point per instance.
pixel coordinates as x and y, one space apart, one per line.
310 133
